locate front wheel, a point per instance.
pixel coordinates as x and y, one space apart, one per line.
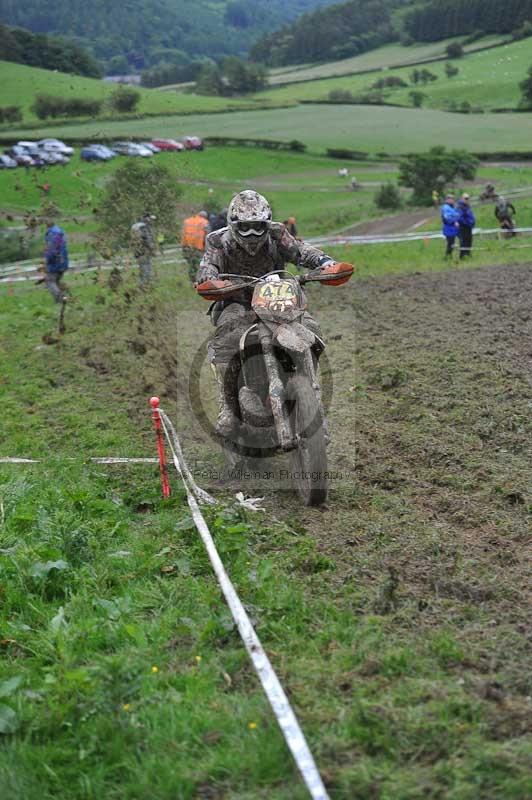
309 458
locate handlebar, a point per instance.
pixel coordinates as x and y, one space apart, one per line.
245 280
225 284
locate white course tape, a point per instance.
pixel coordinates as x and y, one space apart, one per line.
7 460
394 238
31 271
106 460
286 718
417 236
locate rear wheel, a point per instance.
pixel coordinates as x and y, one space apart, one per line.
309 459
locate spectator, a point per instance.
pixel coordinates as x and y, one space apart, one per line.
436 198
449 218
212 217
291 226
193 235
220 220
466 223
144 247
56 260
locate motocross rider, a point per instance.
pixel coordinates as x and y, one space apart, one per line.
251 244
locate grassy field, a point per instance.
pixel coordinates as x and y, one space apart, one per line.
77 188
391 55
486 80
20 84
372 129
303 185
122 676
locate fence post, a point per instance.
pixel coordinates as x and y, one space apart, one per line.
154 403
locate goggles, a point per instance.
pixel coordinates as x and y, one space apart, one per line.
252 228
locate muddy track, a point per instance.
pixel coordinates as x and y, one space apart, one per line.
431 449
430 503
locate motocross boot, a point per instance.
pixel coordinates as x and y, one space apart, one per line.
228 416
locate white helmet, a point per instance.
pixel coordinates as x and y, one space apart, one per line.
249 217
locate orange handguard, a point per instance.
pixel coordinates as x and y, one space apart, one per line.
339 272
215 290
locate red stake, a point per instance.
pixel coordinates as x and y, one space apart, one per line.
156 417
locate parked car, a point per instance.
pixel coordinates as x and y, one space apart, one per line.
168 144
48 158
131 149
31 149
151 147
97 152
52 157
20 156
193 143
38 157
55 146
27 145
6 162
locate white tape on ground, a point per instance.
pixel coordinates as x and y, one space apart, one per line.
286 718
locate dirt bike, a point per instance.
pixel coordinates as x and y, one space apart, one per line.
507 228
279 396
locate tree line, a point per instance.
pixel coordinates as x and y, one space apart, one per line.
332 32
47 52
123 100
434 21
143 34
231 77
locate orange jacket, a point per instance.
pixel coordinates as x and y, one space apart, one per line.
194 231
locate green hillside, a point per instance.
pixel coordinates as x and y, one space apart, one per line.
487 79
49 52
20 84
149 32
387 56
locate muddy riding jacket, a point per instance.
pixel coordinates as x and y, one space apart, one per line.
143 239
224 255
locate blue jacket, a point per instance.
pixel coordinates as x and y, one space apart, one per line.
466 216
55 253
449 218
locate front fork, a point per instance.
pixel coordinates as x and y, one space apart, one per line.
310 365
276 390
304 363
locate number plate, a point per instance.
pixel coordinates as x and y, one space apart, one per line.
276 296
